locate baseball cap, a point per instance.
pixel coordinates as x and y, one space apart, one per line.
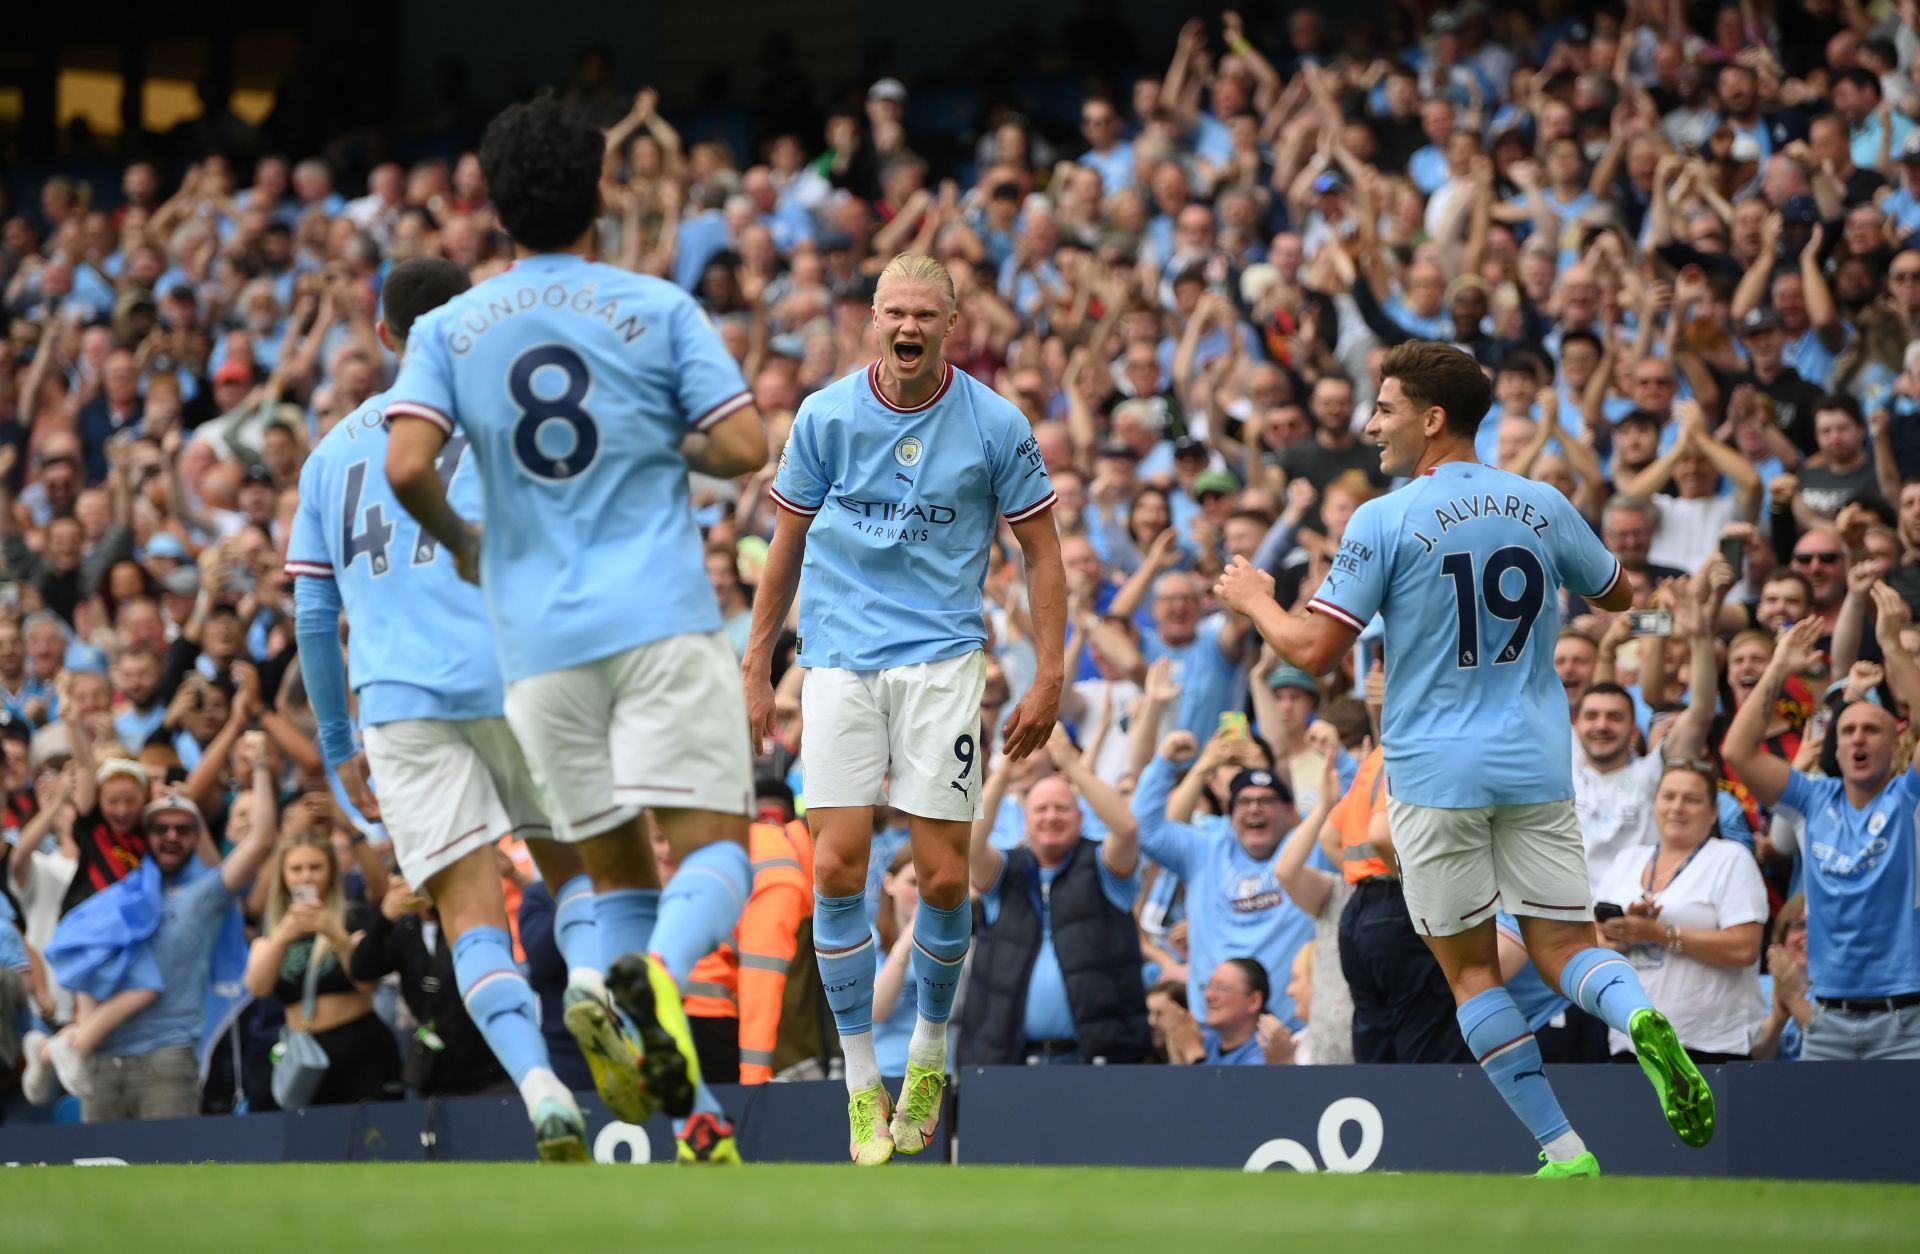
1287 675
1256 777
1187 446
257 473
166 544
1758 320
124 768
15 728
888 89
233 372
82 656
1745 148
1442 23
1329 182
834 241
48 744
184 582
1214 481
173 801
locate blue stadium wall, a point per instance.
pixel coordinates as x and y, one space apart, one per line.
1804 1121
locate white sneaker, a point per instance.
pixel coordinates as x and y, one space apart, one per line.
38 1084
69 1065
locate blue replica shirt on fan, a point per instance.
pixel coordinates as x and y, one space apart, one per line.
1211 683
575 384
1235 905
1463 565
1863 887
420 645
903 504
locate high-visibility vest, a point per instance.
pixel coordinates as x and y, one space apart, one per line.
1352 816
516 850
748 978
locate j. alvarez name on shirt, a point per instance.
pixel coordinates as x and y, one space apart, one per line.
895 520
1466 509
477 321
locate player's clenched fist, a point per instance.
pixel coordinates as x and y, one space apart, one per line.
1243 586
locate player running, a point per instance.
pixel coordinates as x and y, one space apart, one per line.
1464 567
428 681
891 489
586 393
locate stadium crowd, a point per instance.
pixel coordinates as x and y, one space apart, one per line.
1678 236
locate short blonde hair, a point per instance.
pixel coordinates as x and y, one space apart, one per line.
918 268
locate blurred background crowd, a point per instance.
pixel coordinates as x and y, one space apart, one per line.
1677 235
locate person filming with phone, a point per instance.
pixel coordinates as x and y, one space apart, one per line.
1689 914
303 959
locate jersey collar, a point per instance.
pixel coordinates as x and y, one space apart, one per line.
873 385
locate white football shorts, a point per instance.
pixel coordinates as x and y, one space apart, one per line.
907 737
449 788
662 725
1458 867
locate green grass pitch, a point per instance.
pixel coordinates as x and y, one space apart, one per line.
511 1209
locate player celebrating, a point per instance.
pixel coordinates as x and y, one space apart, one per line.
586 393
1464 567
428 682
891 488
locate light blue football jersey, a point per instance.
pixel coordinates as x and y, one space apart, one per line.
1464 565
420 645
1863 886
575 383
904 504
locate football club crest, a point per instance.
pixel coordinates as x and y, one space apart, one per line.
908 452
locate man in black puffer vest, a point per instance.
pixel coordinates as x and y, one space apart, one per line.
1056 964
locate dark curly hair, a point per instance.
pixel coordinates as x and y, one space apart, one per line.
542 164
416 286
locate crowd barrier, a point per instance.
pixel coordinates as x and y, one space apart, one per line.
1803 1121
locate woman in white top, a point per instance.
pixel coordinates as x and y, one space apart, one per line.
1696 909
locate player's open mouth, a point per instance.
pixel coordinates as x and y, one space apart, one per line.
909 354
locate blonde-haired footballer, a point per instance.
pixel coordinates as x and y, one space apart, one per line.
893 484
